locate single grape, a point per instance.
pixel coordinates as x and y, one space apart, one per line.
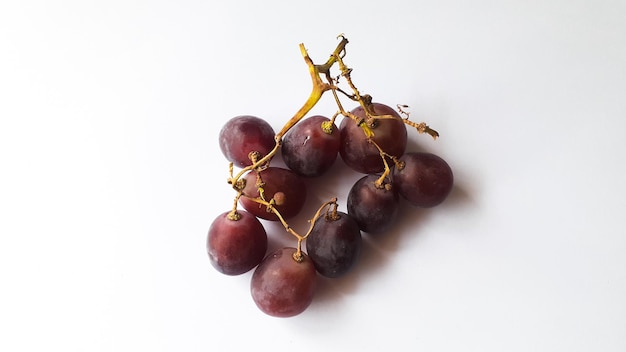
244 134
236 246
284 186
374 209
389 134
281 286
334 244
309 149
425 180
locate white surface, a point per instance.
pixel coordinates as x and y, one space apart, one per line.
112 173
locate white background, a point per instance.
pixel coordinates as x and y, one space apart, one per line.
111 173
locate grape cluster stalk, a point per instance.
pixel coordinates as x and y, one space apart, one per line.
371 139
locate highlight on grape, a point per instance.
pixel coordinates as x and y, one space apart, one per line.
371 139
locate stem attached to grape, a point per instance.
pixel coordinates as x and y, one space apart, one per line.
234 214
298 255
380 182
271 208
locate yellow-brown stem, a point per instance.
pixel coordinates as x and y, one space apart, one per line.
298 255
380 182
318 214
234 214
271 208
319 87
422 127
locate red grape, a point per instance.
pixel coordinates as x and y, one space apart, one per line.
389 134
286 187
308 150
244 134
236 246
334 244
374 209
281 286
425 180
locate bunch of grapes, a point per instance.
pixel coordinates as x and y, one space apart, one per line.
371 139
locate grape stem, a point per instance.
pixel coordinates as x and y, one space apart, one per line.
421 127
271 208
380 182
234 214
318 89
298 257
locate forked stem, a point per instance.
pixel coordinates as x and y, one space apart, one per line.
380 182
319 87
298 257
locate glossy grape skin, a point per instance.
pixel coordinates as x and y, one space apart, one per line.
282 287
374 209
425 181
308 150
334 244
361 155
276 179
236 246
244 134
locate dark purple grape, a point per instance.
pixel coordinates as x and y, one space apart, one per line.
425 180
244 134
236 246
374 209
281 286
334 244
361 155
308 150
286 187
